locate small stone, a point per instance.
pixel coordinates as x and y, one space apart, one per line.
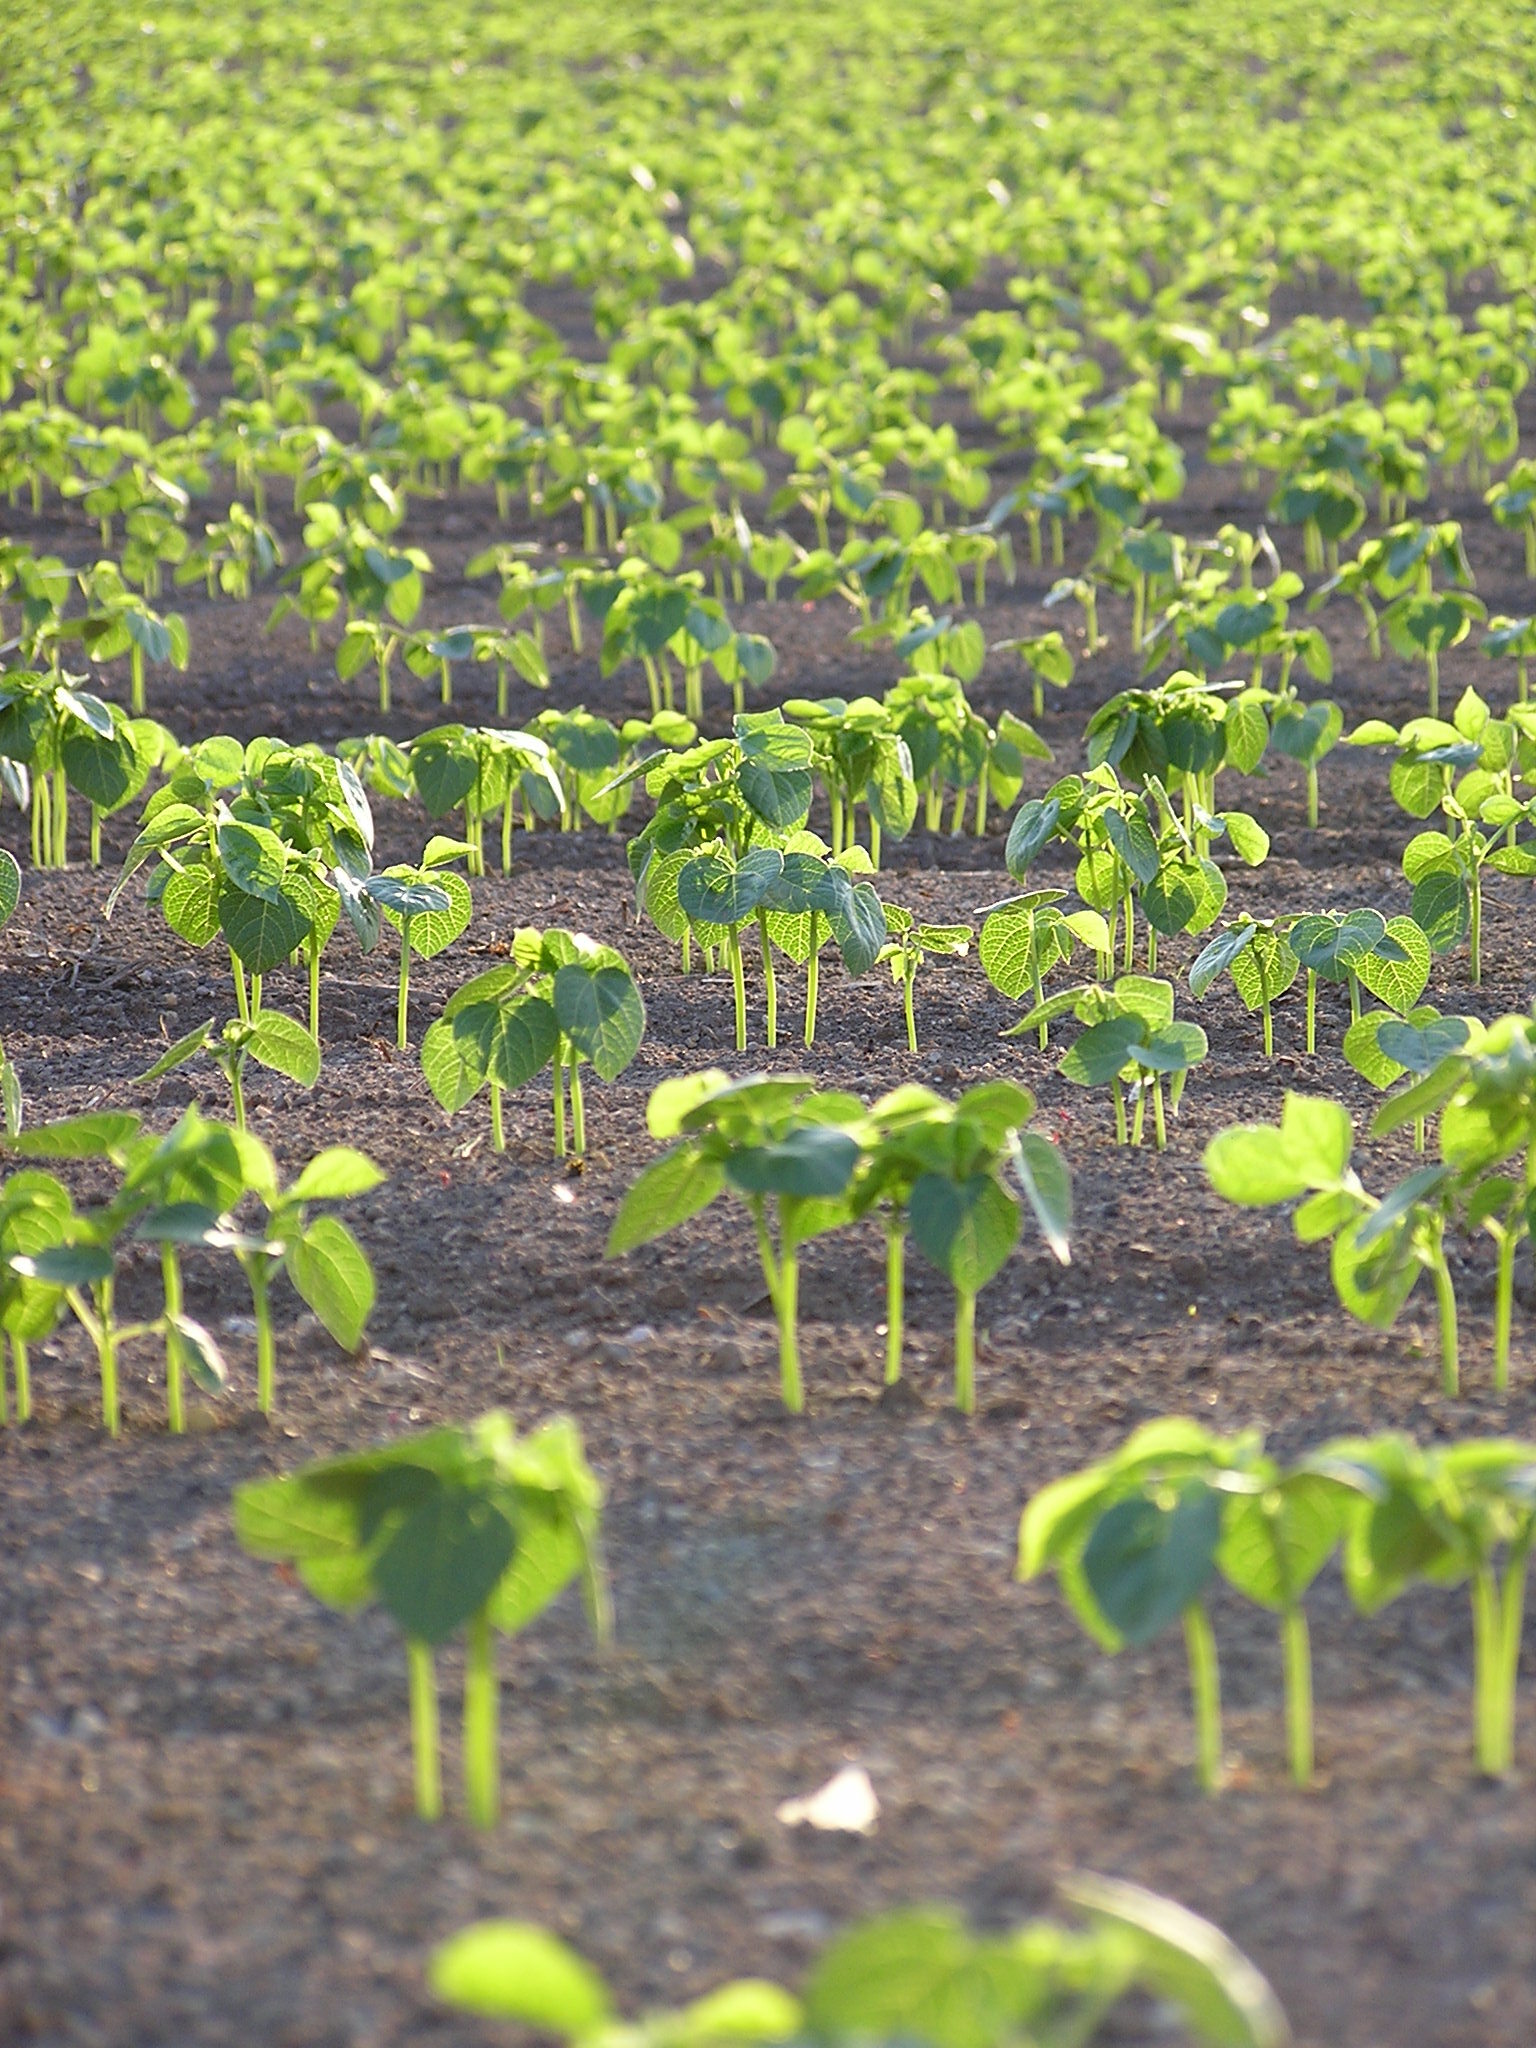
727 1356
670 1294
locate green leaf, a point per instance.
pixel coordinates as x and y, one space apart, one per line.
329 1269
859 928
1398 981
442 1557
668 1192
260 932
190 904
966 1228
253 859
812 1163
1102 1051
601 1013
65 1265
1219 955
1442 908
713 889
1217 1991
456 1054
10 886
511 1970
96 1136
749 2010
1047 1186
919 1977
335 1174
1146 1562
1275 1543
176 1055
283 1045
524 1042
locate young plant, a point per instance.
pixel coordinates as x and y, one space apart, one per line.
1133 1042
1257 953
1447 1517
429 907
1391 956
1137 1538
1046 658
918 1975
1024 937
909 945
560 1000
272 1040
786 1149
941 1173
1381 1247
465 1527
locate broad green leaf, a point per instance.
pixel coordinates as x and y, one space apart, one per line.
285 1046
96 1136
966 1228
1145 1563
669 1191
260 932
456 1052
601 1013
335 1174
441 1559
328 1268
512 1970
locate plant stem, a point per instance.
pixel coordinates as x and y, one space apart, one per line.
482 1703
1445 1301
812 978
1312 794
1512 1613
559 1067
1297 1646
237 1090
1205 1693
895 1299
175 1401
22 1371
266 1349
1159 1120
1488 1664
908 986
1311 1009
498 1129
405 983
242 1001
314 991
578 1108
965 1351
1121 1135
1503 1303
424 1732
770 979
738 986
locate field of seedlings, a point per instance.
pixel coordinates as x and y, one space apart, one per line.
767 1070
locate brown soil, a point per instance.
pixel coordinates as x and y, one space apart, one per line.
205 1823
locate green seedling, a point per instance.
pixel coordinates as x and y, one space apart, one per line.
429 907
1446 1517
562 999
909 945
1515 639
473 1528
1133 1045
1390 955
56 737
1137 1539
1386 1045
1024 937
786 1149
943 1173
918 1975
1258 955
1381 1247
272 1040
1046 659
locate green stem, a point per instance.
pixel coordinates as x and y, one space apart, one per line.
1477 925
1121 1134
812 980
237 1091
405 983
770 979
1269 1032
1488 1664
1297 1646
738 985
498 1128
482 1715
965 1351
1512 1604
314 990
788 1309
1311 1009
1445 1301
175 1401
1205 1693
22 1370
266 1349
242 1000
1312 794
1159 1118
106 1352
908 985
578 1107
559 1066
895 1299
424 1731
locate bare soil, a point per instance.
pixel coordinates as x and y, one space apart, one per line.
206 1833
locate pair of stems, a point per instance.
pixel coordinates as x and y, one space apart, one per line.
1205 1694
781 1272
564 1059
482 1726
1498 1609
